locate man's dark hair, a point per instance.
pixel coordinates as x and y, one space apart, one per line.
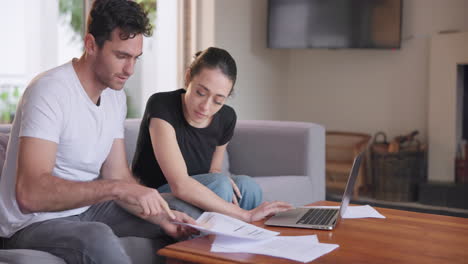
106 15
213 58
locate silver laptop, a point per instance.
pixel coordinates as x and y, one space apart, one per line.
316 217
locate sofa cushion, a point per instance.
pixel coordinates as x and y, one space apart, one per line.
143 250
140 250
225 165
3 146
132 127
296 190
26 256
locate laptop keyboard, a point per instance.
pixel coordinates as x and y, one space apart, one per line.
317 216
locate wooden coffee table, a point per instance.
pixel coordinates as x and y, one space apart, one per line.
403 237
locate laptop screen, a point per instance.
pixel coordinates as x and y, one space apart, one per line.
350 184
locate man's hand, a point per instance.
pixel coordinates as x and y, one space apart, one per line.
147 199
178 231
266 209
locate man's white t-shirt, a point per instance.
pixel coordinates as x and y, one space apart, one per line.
55 107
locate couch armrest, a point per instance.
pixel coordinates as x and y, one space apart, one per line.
276 148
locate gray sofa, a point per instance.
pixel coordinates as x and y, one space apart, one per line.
287 159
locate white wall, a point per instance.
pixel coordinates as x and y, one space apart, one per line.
240 27
352 90
205 29
371 90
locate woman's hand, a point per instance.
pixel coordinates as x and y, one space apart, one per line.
236 194
268 208
178 231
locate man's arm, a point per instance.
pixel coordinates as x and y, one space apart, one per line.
115 168
146 201
37 190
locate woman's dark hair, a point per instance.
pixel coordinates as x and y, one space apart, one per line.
106 15
215 58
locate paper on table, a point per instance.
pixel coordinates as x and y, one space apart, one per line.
219 224
361 211
236 236
299 248
239 244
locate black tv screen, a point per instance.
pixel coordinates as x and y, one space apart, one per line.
334 24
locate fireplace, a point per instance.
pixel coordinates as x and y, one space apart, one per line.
461 156
447 120
446 123
463 70
461 119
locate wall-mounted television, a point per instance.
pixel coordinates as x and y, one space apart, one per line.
334 24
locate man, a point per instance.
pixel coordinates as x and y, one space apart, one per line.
69 130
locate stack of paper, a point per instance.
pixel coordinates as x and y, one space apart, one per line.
223 225
233 235
298 248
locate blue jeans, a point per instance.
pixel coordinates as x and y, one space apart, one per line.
219 183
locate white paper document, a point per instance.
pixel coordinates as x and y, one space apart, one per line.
298 248
219 224
233 235
360 211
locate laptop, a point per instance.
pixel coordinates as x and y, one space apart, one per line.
317 217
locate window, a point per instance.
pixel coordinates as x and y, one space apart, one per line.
40 37
47 33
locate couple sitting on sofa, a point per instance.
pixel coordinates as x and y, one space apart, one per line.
66 187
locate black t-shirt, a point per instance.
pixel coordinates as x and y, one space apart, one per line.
196 144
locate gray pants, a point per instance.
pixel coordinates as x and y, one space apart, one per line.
93 236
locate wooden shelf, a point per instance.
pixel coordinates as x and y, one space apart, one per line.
339 166
342 148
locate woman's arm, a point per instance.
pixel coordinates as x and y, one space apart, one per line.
171 161
216 167
217 160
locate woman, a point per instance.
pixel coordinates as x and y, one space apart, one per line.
183 137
